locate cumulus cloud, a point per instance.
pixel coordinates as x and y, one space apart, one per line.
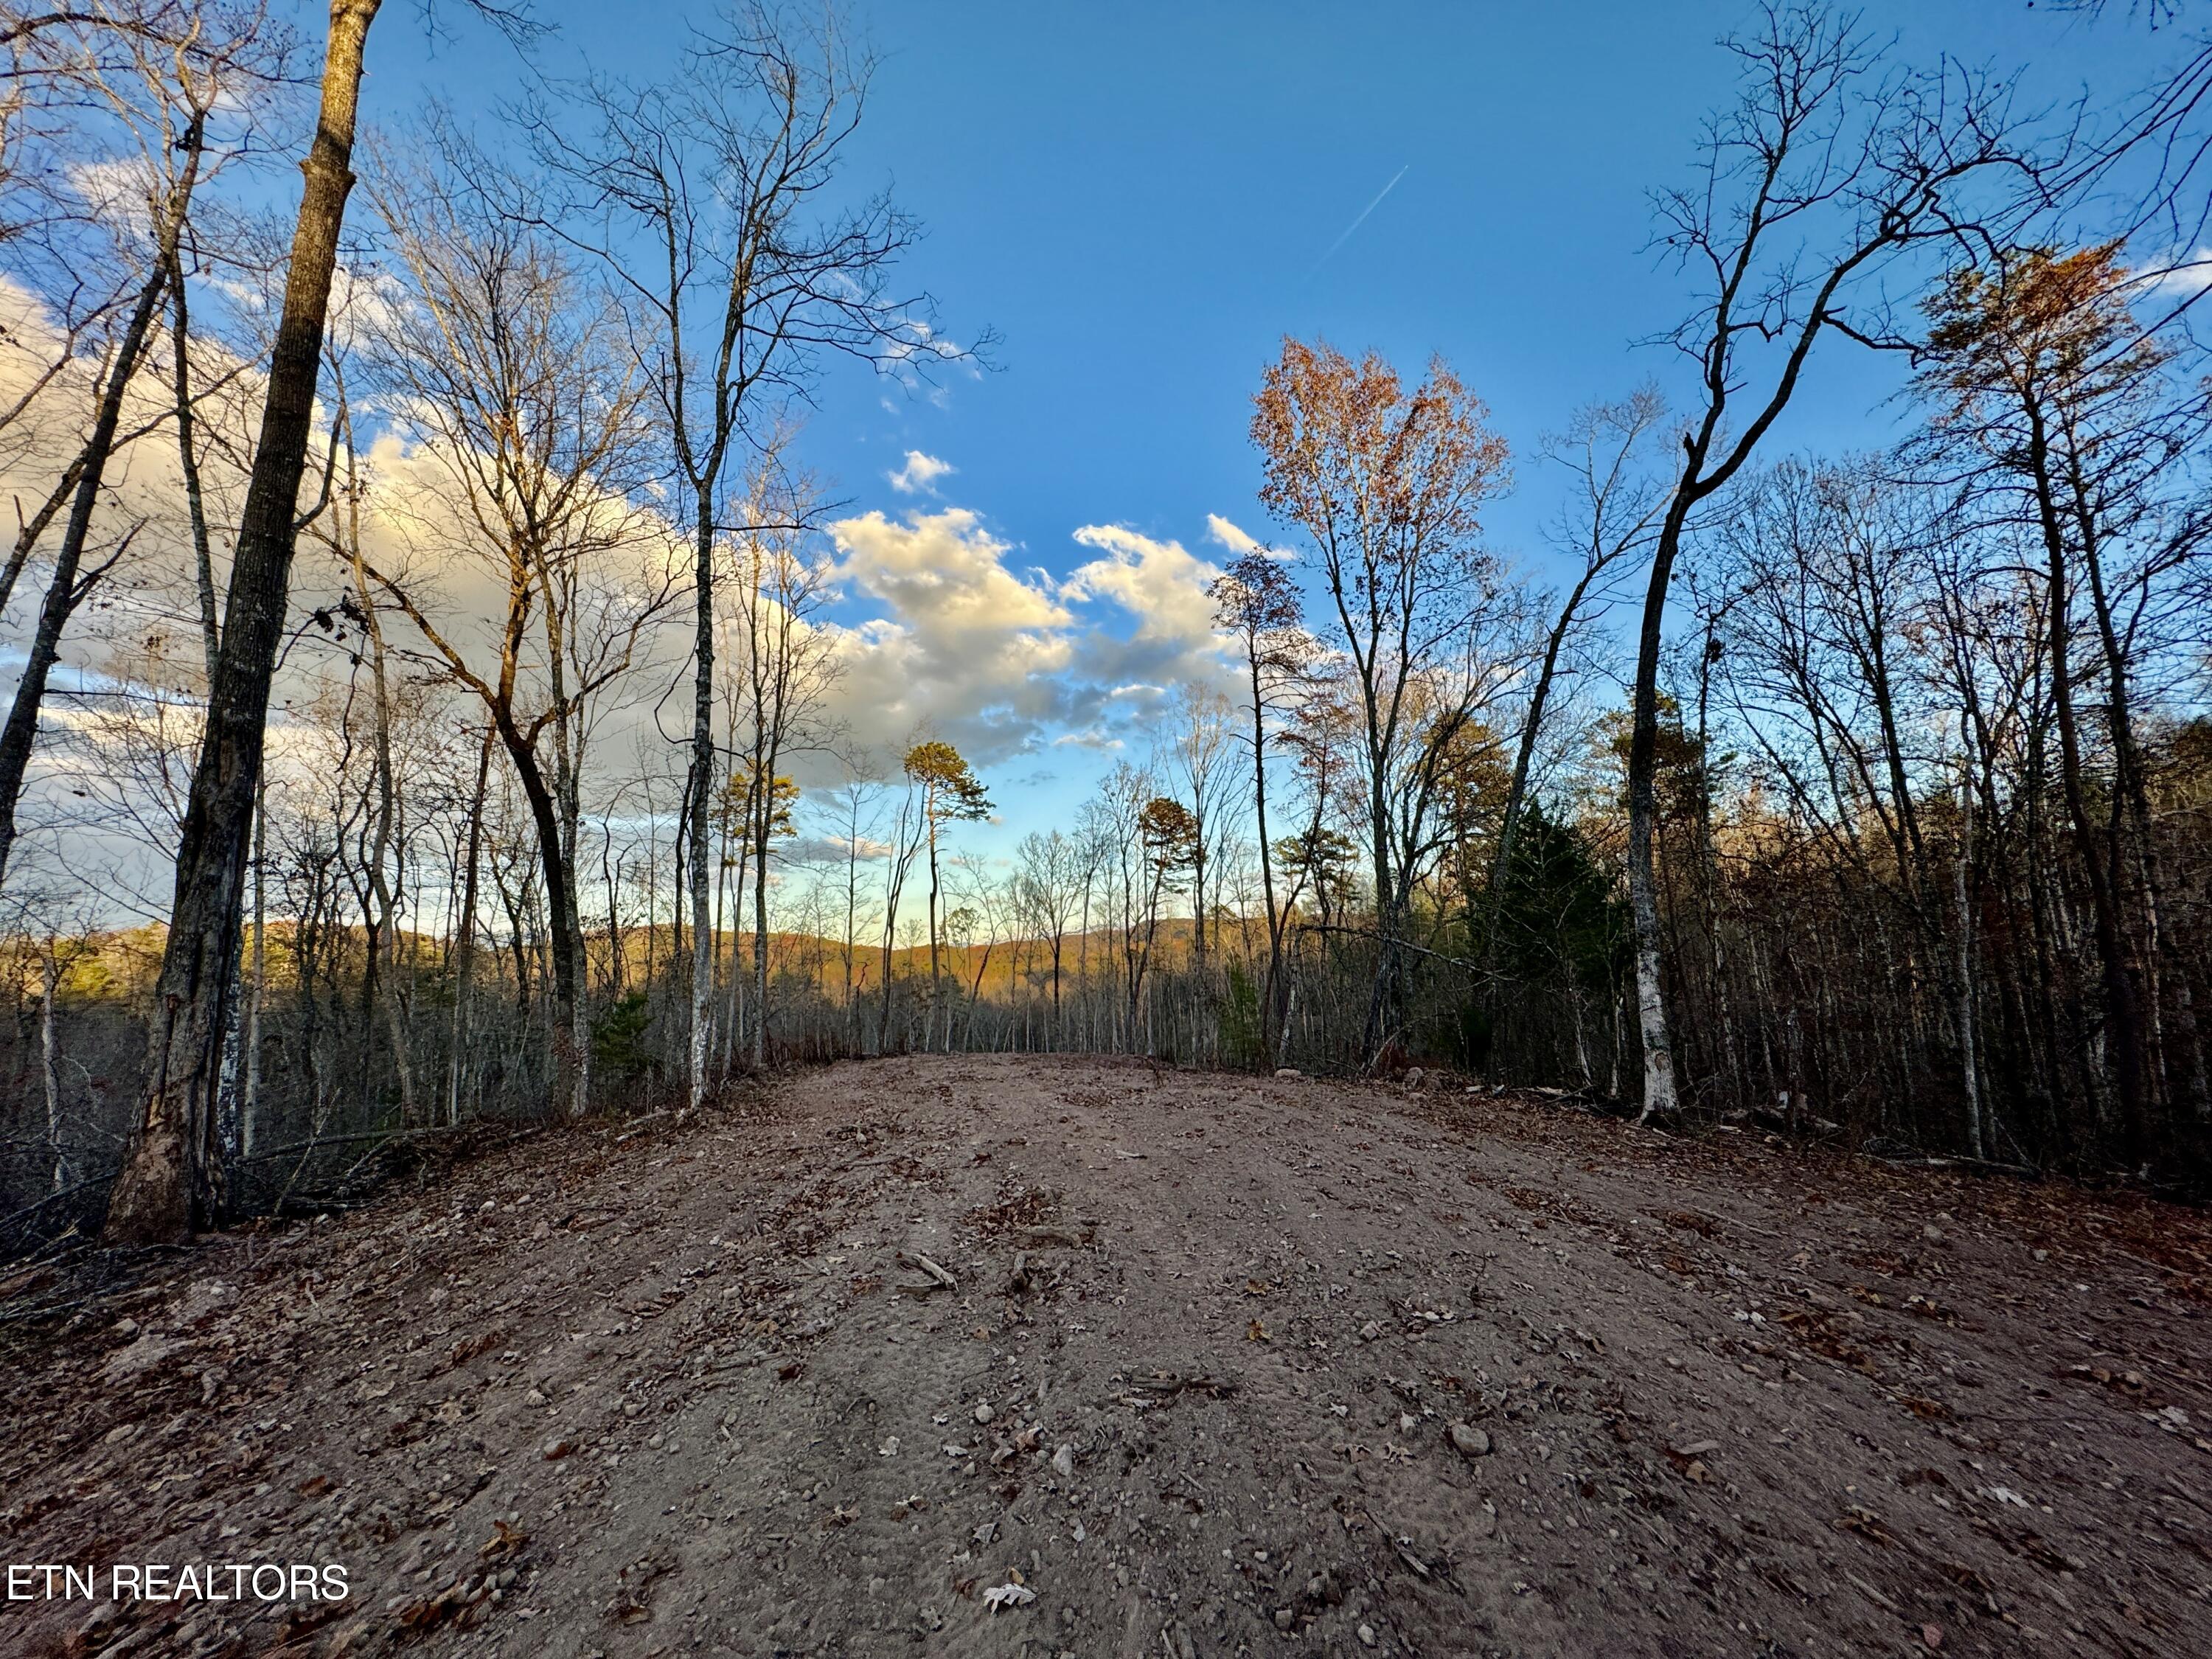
832 850
1237 540
1162 587
919 475
942 625
2177 278
967 647
1240 541
1161 584
943 575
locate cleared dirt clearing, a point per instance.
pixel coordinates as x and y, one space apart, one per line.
1192 1391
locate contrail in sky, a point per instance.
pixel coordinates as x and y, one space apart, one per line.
1362 219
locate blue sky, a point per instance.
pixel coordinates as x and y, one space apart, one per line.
1141 199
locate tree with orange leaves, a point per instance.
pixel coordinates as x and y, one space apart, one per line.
1388 483
2036 362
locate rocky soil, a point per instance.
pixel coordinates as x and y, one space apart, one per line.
1013 1356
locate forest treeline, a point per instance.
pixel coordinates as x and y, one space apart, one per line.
429 706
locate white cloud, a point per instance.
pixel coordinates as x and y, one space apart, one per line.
2176 277
832 850
1241 541
966 645
942 624
1090 737
1161 584
117 189
943 574
919 475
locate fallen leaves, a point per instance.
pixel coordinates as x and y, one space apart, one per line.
1867 1524
1816 1331
1689 1460
1016 1207
2119 1382
456 1604
1008 1595
1965 1577
1158 1307
471 1347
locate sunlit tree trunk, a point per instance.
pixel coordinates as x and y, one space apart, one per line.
171 1178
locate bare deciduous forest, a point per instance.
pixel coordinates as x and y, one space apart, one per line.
434 718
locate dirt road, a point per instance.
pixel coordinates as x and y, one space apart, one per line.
1225 1366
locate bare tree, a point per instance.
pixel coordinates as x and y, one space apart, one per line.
1199 751
1615 510
2042 372
1827 171
716 200
1051 883
860 801
1256 601
514 375
160 98
910 828
787 666
950 793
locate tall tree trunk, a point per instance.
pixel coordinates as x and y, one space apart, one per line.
2122 1009
884 1018
249 1103
767 813
31 529
171 1178
1963 969
1386 954
188 463
1659 1095
64 592
852 907
2133 791
929 1021
1198 901
1516 791
737 921
570 1041
702 791
386 791
50 1069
